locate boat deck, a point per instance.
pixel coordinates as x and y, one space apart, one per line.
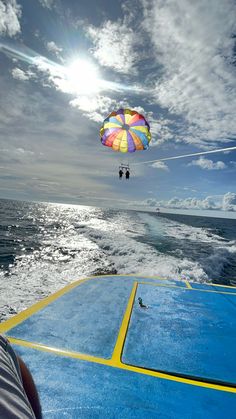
95 353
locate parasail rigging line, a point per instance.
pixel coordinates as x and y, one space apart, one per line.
201 153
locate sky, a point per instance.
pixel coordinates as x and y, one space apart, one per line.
65 65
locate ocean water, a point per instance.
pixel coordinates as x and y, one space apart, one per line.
46 246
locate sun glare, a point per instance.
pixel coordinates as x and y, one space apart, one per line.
83 76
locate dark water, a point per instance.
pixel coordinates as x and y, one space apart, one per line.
44 246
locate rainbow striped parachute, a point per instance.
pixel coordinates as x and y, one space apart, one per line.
125 131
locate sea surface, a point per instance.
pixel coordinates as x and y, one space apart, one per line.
45 246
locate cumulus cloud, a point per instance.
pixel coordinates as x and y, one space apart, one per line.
113 45
226 202
193 44
207 164
10 13
151 202
160 165
19 74
54 48
161 130
229 202
97 107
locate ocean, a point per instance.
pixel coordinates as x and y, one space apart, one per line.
44 246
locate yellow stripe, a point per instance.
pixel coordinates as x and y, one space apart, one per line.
117 140
155 278
127 116
120 365
161 285
124 143
124 326
140 128
185 289
116 357
19 318
57 351
111 125
188 284
219 285
177 379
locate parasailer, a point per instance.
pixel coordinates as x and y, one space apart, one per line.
125 131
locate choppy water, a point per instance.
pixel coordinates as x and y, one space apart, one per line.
45 246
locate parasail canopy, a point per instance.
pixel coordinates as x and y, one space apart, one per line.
125 131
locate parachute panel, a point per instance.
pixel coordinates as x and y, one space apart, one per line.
125 131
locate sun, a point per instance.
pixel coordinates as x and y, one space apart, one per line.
83 76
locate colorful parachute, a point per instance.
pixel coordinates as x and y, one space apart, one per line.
125 131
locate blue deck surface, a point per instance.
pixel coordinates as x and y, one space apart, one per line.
187 330
72 388
86 319
214 287
183 332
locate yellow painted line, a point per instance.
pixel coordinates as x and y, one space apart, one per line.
219 285
116 356
176 379
162 285
188 284
19 318
57 351
155 278
118 364
211 291
185 289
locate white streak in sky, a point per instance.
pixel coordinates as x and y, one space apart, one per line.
201 153
57 73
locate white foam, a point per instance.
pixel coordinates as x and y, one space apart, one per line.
209 265
83 243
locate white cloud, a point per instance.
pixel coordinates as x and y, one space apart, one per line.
229 202
207 164
47 3
19 155
226 202
19 74
160 165
192 43
87 96
10 12
114 43
52 47
152 202
97 107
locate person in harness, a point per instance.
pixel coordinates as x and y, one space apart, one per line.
127 173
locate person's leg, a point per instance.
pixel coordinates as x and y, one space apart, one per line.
18 394
30 388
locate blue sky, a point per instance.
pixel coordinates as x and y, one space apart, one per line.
66 64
